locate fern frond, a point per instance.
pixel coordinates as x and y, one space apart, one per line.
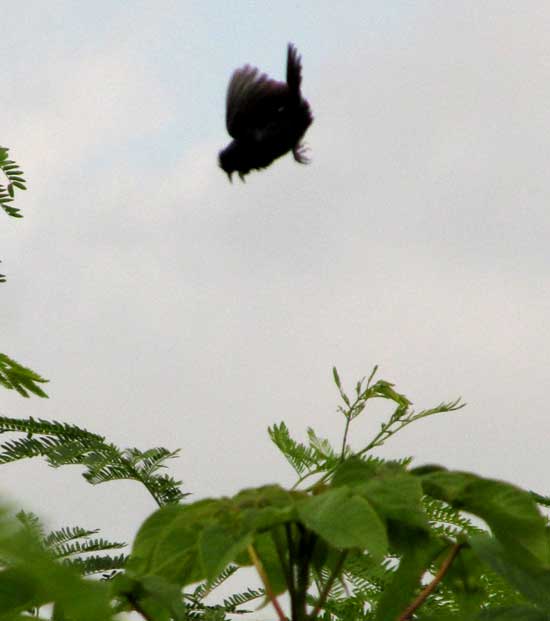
97 564
300 457
448 521
15 376
205 588
15 180
32 426
92 545
32 523
61 444
231 604
63 535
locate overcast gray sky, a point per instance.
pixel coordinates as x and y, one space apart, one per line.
168 307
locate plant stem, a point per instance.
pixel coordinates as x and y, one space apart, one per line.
287 566
363 396
305 548
344 440
430 588
265 580
306 476
137 607
328 586
292 566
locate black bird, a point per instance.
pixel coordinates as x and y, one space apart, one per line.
265 118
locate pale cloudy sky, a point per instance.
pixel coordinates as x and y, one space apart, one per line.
168 307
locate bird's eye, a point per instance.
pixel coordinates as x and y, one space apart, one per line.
280 108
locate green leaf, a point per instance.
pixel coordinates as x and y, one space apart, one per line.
167 543
15 376
31 578
267 553
345 520
18 591
336 377
220 543
164 598
427 469
510 512
149 535
464 578
394 493
514 613
398 498
521 570
400 592
354 472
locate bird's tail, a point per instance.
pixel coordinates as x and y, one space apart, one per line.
293 70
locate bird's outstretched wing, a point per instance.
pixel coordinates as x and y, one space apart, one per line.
252 98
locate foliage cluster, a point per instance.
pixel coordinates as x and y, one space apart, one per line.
366 539
13 180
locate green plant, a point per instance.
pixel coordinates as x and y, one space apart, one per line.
15 376
366 539
14 180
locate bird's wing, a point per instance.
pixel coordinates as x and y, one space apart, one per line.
251 99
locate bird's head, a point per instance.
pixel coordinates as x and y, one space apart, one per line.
226 160
230 160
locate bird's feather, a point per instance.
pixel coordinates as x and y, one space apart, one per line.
251 99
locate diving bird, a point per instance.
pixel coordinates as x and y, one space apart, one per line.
265 118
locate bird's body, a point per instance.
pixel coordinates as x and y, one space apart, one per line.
265 118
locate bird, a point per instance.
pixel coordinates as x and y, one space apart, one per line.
265 118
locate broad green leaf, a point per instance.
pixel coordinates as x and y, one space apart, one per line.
267 553
266 507
353 471
30 577
510 512
447 485
464 579
148 536
163 598
427 469
220 543
320 554
521 570
345 520
18 591
397 497
514 613
167 543
394 493
406 580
